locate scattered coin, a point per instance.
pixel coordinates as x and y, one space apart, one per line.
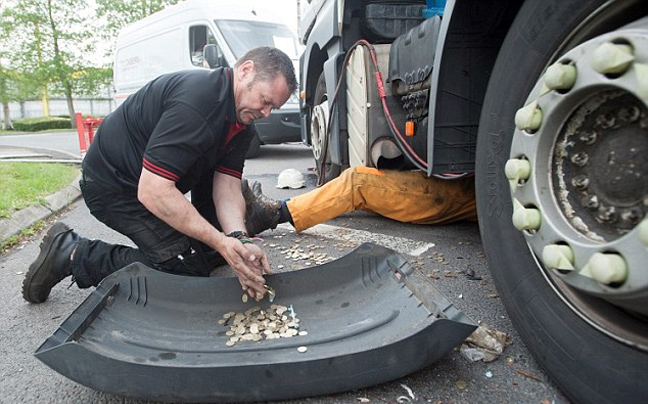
271 293
302 349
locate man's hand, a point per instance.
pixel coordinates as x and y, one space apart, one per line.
162 198
249 263
248 260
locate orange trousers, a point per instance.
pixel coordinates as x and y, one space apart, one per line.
405 196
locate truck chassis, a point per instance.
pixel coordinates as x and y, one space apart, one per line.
546 102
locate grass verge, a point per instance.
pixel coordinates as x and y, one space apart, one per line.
25 235
27 184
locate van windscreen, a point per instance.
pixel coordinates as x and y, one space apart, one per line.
242 36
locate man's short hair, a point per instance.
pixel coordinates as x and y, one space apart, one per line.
269 63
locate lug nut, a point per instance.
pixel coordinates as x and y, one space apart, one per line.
589 137
632 216
560 76
525 218
607 214
642 78
529 118
610 58
517 170
629 114
590 202
608 268
606 121
643 232
580 159
556 256
581 182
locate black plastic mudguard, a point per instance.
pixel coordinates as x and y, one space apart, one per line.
144 334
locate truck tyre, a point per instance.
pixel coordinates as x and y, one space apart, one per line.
590 345
320 136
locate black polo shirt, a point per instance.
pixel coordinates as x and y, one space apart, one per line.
178 126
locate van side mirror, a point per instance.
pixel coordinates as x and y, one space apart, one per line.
213 55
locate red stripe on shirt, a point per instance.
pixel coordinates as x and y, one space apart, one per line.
230 172
160 171
234 129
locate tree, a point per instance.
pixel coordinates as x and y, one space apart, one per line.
5 74
53 38
48 43
119 13
5 96
14 84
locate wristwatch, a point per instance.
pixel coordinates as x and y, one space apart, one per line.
238 234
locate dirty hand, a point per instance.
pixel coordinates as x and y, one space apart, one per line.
249 263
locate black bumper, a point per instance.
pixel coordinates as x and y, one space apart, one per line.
281 126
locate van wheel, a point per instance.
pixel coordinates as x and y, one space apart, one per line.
320 138
255 147
584 319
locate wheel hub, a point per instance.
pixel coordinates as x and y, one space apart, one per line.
578 170
604 162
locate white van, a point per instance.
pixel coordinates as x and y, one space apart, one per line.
176 38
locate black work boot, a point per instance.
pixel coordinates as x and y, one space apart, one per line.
52 264
261 212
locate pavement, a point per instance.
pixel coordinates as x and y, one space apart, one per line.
446 255
53 204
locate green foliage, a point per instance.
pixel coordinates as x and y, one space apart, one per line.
91 80
45 45
16 86
25 234
26 184
47 40
10 242
119 13
42 123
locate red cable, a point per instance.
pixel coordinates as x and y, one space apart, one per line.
383 98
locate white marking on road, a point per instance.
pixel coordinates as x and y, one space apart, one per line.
400 244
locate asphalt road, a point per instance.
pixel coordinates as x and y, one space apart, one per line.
451 257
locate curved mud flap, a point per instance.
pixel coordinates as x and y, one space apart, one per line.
370 318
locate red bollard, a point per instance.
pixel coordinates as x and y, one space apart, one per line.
85 130
83 147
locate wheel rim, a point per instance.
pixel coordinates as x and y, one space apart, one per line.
319 125
583 134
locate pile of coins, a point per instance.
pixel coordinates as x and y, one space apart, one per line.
296 253
256 324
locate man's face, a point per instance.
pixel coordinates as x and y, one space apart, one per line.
256 98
